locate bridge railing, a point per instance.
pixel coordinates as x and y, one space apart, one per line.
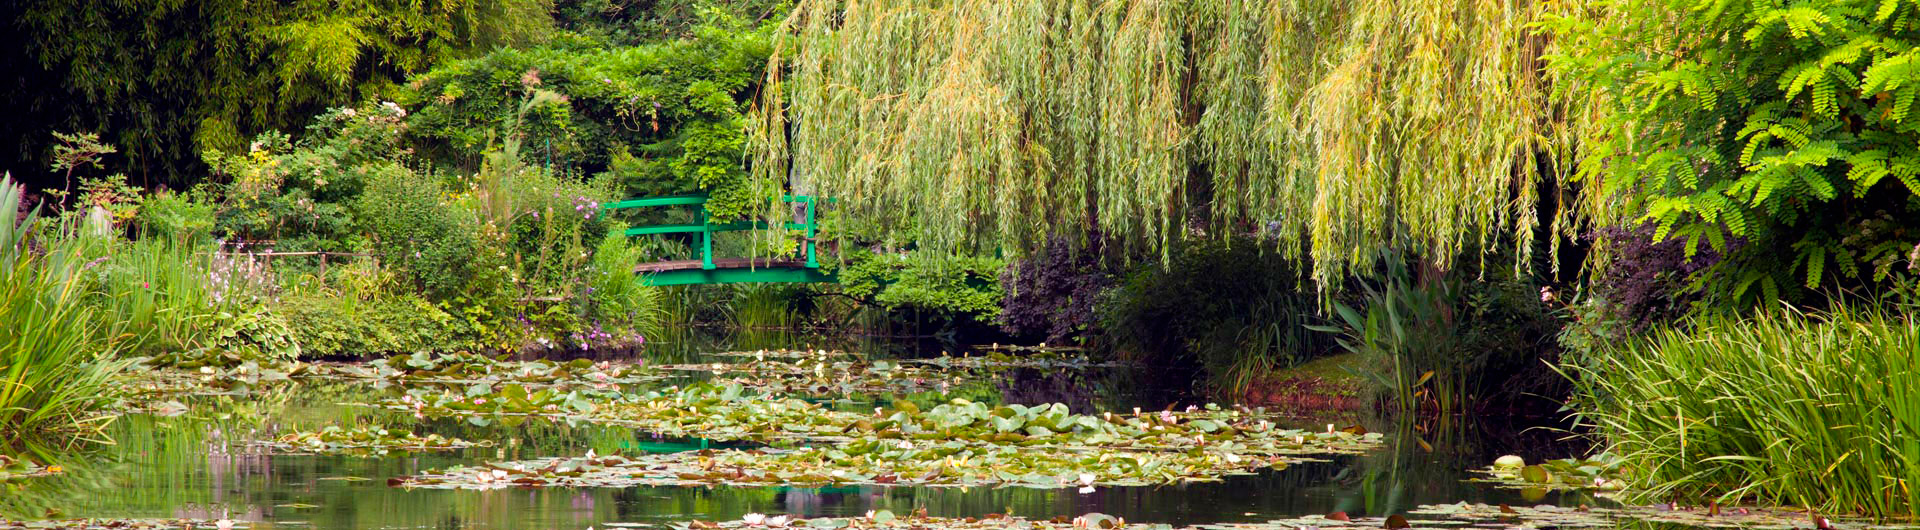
701 225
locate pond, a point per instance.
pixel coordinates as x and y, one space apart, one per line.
204 461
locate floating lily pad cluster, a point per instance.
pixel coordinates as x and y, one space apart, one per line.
144 387
828 375
364 440
123 524
15 469
1043 359
509 398
788 354
918 521
470 368
1464 515
862 463
729 412
1604 472
959 443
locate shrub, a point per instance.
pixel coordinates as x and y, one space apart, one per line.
954 287
419 232
1232 310
660 118
1053 295
301 195
614 295
1648 280
1782 407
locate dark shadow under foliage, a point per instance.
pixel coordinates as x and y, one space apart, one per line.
1647 280
1234 310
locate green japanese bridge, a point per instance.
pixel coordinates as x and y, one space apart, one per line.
706 269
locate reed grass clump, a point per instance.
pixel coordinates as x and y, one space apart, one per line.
1819 411
56 358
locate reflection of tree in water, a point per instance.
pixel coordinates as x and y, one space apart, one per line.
1087 390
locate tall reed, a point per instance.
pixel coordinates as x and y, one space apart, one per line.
1818 411
56 359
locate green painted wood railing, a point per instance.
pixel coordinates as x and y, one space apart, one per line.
810 227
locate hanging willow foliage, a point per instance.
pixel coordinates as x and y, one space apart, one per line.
1339 127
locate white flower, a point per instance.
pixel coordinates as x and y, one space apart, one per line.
223 524
753 519
499 474
777 521
906 444
348 112
1086 479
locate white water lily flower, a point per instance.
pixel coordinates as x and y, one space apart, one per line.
1086 479
499 474
223 524
591 454
906 444
869 514
778 521
753 519
1233 458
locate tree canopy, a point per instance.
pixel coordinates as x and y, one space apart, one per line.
1339 128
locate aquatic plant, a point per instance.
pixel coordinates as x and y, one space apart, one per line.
363 440
1603 472
868 462
16 469
1783 407
57 360
463 368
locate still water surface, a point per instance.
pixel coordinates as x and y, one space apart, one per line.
197 465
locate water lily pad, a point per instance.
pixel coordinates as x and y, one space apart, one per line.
363 440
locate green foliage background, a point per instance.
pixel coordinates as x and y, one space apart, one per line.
1790 126
167 79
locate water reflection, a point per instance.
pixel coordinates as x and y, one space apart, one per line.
197 465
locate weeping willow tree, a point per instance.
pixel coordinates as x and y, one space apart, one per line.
1340 128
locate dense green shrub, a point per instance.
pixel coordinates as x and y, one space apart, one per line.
1789 126
333 326
420 233
1782 407
951 287
614 296
630 22
1235 311
182 218
662 118
300 195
